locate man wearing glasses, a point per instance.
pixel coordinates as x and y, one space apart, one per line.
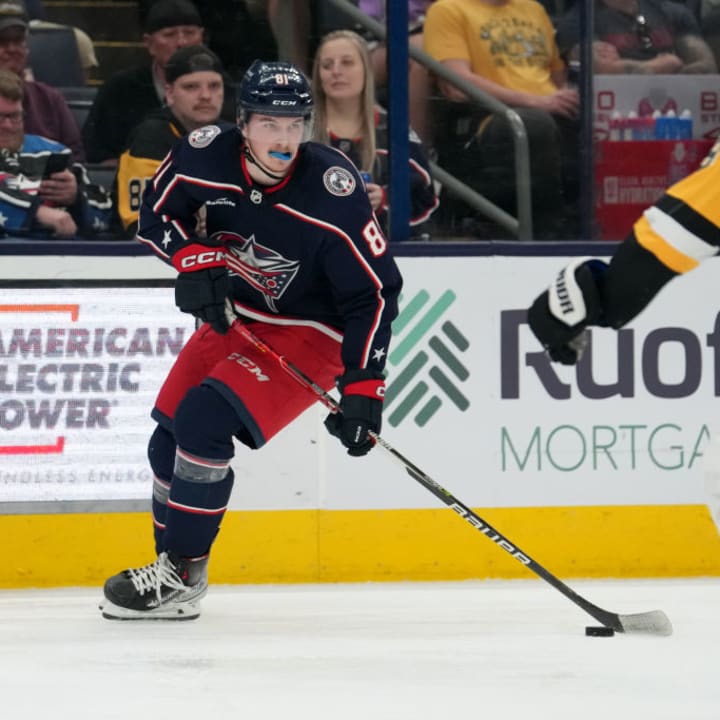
657 37
42 192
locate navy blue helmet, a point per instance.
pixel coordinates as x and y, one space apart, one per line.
274 88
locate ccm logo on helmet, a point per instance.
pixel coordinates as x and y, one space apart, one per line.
284 102
209 257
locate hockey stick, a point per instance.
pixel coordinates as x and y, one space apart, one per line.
654 622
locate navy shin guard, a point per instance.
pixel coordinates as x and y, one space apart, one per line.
195 511
202 480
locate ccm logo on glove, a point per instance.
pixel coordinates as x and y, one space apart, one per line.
195 257
369 388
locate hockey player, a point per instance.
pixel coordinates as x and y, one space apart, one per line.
293 243
672 237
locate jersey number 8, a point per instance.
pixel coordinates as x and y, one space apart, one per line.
135 191
374 238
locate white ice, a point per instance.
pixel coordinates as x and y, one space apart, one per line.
503 650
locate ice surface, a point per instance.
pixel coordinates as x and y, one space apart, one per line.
414 650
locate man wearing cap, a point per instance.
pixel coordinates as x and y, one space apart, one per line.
129 95
46 111
194 98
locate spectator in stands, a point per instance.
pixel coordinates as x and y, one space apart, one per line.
347 118
128 96
238 31
194 97
506 48
652 36
41 190
46 112
315 19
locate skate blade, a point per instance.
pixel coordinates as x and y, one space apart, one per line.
186 611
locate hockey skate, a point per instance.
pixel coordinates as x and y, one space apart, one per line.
167 589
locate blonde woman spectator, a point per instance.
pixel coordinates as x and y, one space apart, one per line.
347 118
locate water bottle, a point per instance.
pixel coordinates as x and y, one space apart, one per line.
616 122
685 125
647 128
662 127
641 128
631 126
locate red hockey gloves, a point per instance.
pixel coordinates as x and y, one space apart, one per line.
202 293
361 405
559 317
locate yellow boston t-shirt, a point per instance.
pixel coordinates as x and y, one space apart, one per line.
511 44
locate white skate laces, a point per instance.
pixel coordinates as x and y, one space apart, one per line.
156 575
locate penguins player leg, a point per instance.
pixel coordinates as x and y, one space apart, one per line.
186 516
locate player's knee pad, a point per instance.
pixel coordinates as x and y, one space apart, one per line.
205 423
161 453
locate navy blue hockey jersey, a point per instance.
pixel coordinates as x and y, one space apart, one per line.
306 251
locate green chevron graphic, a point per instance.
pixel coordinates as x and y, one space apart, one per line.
424 367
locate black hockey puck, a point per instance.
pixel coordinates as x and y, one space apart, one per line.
599 631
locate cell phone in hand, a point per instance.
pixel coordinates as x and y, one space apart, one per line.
56 162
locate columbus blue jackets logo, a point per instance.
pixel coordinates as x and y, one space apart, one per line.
339 181
203 136
262 268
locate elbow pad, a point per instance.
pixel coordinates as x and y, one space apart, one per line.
632 280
